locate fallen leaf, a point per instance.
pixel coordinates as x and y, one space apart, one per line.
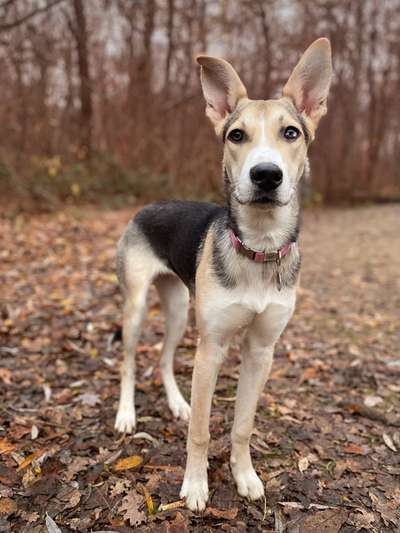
149 501
52 527
226 514
73 498
29 478
127 463
6 446
363 520
30 517
327 521
389 510
7 506
309 373
387 439
89 398
28 460
18 431
121 486
79 464
372 401
303 464
129 508
355 449
178 525
5 376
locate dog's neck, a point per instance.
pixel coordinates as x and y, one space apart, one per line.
264 228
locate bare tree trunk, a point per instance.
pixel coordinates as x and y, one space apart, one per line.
171 45
81 39
265 31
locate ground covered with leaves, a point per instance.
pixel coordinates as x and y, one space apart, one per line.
327 443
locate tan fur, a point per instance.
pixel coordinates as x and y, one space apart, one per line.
252 302
275 115
253 305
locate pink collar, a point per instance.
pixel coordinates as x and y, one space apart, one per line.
259 257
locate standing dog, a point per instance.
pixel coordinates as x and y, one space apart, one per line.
242 260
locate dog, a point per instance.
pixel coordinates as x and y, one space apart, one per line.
241 261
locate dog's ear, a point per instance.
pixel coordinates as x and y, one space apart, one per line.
222 87
309 83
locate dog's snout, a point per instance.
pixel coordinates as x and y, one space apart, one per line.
267 176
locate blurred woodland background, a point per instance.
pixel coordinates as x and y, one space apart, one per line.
100 106
100 99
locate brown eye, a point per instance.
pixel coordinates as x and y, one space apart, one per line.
236 136
291 133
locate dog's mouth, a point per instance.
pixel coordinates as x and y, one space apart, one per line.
260 200
264 199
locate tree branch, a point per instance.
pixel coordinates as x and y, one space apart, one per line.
10 25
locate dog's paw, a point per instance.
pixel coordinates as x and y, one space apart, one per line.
126 420
195 491
249 484
180 408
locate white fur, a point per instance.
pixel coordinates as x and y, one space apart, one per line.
263 153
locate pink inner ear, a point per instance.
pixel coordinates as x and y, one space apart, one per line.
217 95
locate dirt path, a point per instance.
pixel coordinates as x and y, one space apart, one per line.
328 432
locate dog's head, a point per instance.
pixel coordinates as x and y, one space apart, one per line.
266 141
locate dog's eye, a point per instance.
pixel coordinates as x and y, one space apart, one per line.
236 136
291 133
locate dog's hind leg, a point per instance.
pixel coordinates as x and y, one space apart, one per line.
137 266
134 311
174 297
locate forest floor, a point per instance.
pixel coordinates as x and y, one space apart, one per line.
327 443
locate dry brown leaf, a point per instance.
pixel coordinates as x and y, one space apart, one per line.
129 508
7 506
309 373
149 501
388 509
28 460
153 482
372 401
121 486
127 463
29 478
79 464
30 517
6 446
74 497
303 464
387 439
178 525
327 521
226 514
355 449
5 376
18 432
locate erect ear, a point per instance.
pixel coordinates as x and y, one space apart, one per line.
222 87
309 83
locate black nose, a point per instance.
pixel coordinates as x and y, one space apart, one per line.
267 176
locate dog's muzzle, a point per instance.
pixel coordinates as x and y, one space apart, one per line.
266 176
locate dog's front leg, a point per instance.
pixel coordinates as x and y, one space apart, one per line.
208 360
254 371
